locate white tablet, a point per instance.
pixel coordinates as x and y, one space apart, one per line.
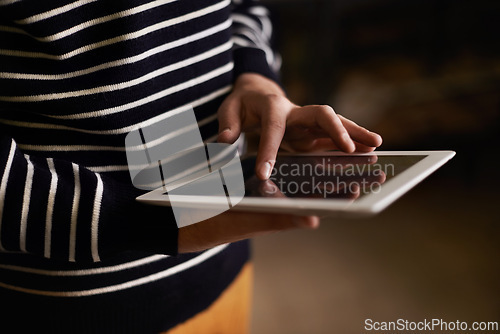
325 184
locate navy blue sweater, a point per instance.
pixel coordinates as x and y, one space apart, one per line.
78 254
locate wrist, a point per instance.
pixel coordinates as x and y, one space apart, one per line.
255 81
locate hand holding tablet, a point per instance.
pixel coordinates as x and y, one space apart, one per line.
343 185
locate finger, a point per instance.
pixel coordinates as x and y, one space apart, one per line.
232 226
362 148
310 145
360 134
325 118
273 125
321 145
229 116
270 189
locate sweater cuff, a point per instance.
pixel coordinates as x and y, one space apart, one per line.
138 226
154 230
253 60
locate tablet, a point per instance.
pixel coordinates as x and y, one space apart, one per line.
324 184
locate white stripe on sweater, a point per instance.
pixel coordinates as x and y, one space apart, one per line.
7 2
124 61
85 272
126 129
121 85
121 168
3 185
50 207
67 148
74 213
99 20
126 285
143 101
121 38
262 14
54 12
26 204
95 220
159 95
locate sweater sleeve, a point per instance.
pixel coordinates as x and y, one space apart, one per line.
251 34
60 210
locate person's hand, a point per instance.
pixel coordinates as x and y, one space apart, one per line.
259 104
232 226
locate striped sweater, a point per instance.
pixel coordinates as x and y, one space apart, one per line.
77 252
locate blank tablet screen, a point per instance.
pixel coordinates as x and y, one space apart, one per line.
326 176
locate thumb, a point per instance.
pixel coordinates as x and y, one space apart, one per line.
229 116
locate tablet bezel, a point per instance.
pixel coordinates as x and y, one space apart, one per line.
367 205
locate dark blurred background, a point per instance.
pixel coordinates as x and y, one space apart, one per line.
425 75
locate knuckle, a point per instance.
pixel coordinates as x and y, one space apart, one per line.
326 109
275 99
276 125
